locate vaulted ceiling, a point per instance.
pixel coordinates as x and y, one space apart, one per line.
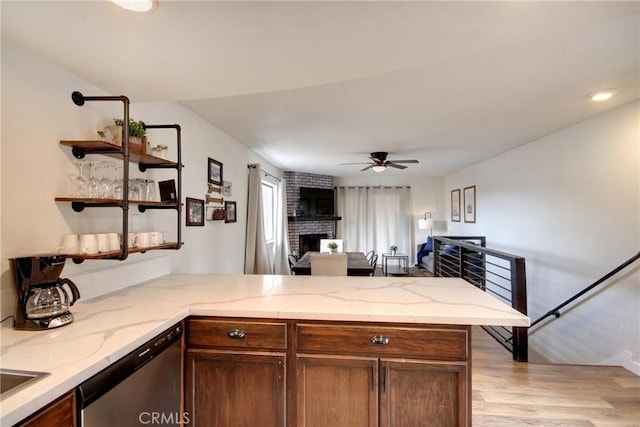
310 85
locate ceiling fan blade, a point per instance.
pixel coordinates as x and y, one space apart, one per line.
368 167
393 165
404 161
359 163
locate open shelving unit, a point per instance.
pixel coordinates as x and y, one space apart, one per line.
144 161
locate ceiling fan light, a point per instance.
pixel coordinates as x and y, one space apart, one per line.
379 168
135 5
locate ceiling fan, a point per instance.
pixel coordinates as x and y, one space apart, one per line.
380 162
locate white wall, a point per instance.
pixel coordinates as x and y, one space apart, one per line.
570 204
37 112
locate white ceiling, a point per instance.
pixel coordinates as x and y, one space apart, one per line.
310 85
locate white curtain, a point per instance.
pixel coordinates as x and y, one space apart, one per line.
281 264
375 218
256 255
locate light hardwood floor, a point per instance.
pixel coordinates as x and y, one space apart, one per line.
508 393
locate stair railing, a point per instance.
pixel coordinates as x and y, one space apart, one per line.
498 273
556 310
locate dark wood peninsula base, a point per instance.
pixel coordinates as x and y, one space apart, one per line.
272 372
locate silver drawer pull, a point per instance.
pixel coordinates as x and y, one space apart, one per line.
380 340
236 334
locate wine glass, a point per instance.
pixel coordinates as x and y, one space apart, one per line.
117 183
106 184
93 185
79 182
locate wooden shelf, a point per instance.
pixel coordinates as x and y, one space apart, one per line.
114 202
78 203
77 258
80 148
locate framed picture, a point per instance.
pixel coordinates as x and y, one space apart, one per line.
226 188
230 208
470 204
215 172
215 213
455 205
168 191
195 212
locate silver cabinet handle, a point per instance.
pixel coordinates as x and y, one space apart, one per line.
236 334
380 340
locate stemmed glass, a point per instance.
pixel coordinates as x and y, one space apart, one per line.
79 182
117 183
93 185
106 184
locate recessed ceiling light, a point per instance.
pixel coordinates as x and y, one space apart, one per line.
601 95
135 5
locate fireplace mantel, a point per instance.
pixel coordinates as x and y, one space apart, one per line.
314 218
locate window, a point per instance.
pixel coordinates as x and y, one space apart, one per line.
269 211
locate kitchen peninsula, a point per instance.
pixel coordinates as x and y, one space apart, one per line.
315 311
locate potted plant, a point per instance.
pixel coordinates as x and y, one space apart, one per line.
333 246
137 134
393 249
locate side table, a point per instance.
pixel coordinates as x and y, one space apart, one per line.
399 267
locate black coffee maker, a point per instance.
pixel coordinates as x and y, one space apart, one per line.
43 301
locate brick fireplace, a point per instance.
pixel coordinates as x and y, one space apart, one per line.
307 226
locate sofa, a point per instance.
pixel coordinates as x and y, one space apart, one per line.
424 255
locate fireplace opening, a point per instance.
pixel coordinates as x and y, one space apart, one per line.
310 242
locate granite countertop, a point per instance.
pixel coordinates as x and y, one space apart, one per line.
109 327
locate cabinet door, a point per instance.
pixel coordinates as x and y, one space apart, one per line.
337 391
235 389
61 413
420 393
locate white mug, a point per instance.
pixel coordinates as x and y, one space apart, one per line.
88 244
142 240
131 240
113 241
155 238
70 244
165 237
103 242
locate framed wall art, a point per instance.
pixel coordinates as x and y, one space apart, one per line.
470 204
215 172
230 208
455 205
194 212
226 188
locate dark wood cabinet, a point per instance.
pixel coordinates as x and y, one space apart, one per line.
416 393
235 373
245 372
60 413
337 391
235 389
367 375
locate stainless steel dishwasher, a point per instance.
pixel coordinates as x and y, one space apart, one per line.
142 388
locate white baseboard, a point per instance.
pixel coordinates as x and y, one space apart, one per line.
626 360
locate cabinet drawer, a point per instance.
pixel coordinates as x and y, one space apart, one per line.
229 333
446 343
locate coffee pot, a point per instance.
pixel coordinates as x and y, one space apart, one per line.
43 299
50 300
